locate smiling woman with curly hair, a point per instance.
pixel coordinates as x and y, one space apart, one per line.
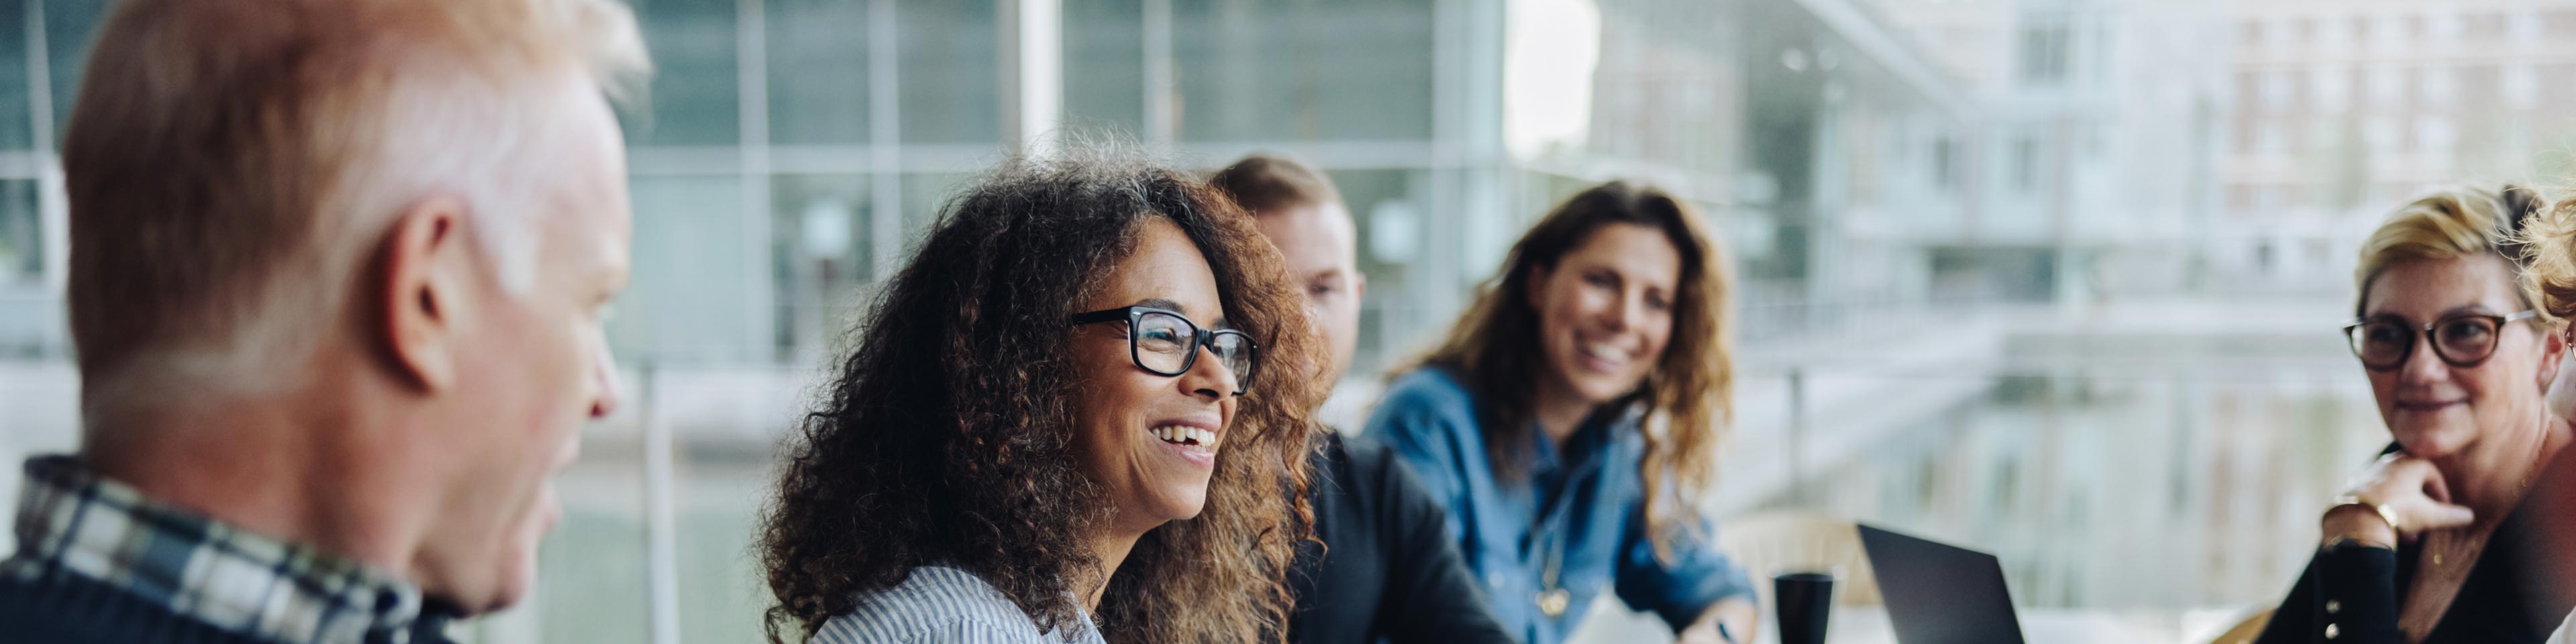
1082 402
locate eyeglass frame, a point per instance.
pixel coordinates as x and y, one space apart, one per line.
1201 337
2425 333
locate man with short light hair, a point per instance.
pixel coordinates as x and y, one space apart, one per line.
336 275
1387 571
1302 213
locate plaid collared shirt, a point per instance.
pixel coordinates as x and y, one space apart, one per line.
71 521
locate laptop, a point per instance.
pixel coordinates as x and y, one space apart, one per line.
1938 593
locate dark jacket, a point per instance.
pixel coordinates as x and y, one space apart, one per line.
1386 569
2506 599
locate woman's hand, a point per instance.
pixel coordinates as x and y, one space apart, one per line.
2412 490
1739 616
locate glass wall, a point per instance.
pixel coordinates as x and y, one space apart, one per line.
1349 70
41 49
22 241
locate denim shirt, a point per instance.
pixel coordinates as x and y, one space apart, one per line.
1582 507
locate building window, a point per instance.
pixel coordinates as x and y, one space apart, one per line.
2521 86
2323 135
2331 88
2387 86
2271 139
2524 26
2280 33
2388 29
1289 71
2025 164
2277 88
2044 49
2380 133
2435 133
822 49
697 71
22 250
2439 85
2335 33
2442 24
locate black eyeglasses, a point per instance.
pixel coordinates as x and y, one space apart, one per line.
2463 340
1164 343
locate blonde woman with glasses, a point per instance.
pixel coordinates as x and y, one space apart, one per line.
2423 546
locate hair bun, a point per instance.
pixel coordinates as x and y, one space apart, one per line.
2520 203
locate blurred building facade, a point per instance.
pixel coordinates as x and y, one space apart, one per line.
2343 109
2090 160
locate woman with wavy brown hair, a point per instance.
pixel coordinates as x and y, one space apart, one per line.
1076 414
1570 420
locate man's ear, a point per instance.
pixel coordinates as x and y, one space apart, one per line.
426 269
1359 285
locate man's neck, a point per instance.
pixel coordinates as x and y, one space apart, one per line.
285 466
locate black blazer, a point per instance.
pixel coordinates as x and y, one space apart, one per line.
2506 599
1387 569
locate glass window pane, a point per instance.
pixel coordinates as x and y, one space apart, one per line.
821 242
44 412
70 25
818 71
14 91
951 87
22 250
693 296
1386 209
1267 71
695 86
1662 90
925 195
1104 67
591 579
723 592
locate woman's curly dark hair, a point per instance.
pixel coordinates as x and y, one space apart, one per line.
944 437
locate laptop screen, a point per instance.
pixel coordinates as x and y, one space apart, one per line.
1938 593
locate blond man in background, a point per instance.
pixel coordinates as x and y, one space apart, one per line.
1386 569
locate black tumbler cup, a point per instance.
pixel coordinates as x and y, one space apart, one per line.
1806 600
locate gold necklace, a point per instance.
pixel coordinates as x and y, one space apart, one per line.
2524 488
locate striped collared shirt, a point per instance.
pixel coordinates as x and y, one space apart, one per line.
73 522
938 605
